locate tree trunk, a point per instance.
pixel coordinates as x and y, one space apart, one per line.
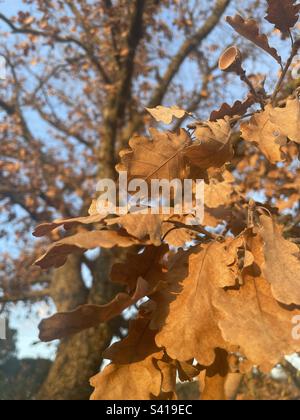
78 357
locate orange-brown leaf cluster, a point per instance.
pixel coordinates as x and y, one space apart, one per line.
228 288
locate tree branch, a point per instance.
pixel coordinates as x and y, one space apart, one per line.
119 101
34 295
59 39
186 48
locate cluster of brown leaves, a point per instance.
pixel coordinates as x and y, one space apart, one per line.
229 295
238 295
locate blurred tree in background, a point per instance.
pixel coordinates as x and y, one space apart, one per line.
80 75
19 379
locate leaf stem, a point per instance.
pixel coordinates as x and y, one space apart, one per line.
241 117
245 79
292 38
198 229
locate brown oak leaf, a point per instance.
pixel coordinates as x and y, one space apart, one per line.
282 263
238 258
165 114
219 197
213 145
215 377
284 14
135 360
46 228
157 158
185 315
168 371
135 381
154 228
251 318
57 254
238 108
218 192
141 226
138 345
266 134
288 119
250 30
148 265
64 324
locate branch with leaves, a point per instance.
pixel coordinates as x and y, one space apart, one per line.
224 295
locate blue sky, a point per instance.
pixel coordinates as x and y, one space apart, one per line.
10 7
26 323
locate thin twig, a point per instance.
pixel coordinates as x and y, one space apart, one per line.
241 117
198 229
284 72
245 79
168 232
292 38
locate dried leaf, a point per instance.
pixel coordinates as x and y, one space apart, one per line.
187 371
251 318
165 114
250 30
135 381
169 374
148 265
56 255
153 227
214 217
213 146
142 226
282 263
185 315
266 134
138 345
238 108
215 378
220 196
233 385
93 208
218 193
46 228
238 259
136 359
64 324
284 14
288 119
157 158
177 238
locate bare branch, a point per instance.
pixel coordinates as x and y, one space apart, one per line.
26 296
59 39
186 48
120 100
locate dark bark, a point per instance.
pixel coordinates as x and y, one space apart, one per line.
78 357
